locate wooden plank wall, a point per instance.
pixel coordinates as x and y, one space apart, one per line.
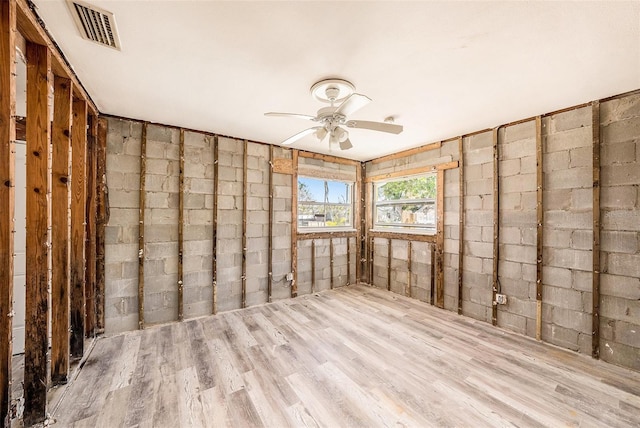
55 235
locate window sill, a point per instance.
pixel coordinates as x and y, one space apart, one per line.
324 230
405 231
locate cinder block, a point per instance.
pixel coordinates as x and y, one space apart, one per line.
623 264
567 140
582 239
560 336
555 161
575 118
581 157
571 319
622 220
478 141
563 297
569 179
559 199
620 130
512 322
568 258
619 175
510 270
619 197
582 281
559 277
624 287
568 220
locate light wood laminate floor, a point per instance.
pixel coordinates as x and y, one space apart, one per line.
354 356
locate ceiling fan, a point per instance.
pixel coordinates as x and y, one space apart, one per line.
332 120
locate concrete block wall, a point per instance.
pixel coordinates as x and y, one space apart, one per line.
281 250
421 271
518 227
620 236
477 256
568 229
323 264
121 233
198 224
161 224
230 206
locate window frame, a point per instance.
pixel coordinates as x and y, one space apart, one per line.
319 228
417 229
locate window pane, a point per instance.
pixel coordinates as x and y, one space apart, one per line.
324 203
408 202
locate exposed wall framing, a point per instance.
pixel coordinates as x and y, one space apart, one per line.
181 227
60 303
141 255
294 223
244 225
460 225
102 214
496 227
407 291
389 255
37 294
440 240
78 230
331 263
7 196
313 266
214 237
270 237
595 335
92 209
539 226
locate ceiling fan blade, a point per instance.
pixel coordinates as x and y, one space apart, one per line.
346 144
375 126
352 104
300 135
299 116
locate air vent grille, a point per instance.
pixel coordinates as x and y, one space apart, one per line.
95 24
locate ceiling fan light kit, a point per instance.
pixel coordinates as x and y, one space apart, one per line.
332 118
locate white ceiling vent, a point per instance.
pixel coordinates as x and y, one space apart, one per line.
95 24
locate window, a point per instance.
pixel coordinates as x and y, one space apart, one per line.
406 203
324 203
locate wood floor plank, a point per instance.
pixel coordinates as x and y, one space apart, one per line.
353 356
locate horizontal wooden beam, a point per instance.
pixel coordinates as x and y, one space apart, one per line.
327 158
302 236
402 236
414 171
29 26
406 153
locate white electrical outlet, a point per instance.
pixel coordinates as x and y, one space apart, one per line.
501 299
290 276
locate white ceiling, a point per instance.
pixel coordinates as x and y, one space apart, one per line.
441 68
